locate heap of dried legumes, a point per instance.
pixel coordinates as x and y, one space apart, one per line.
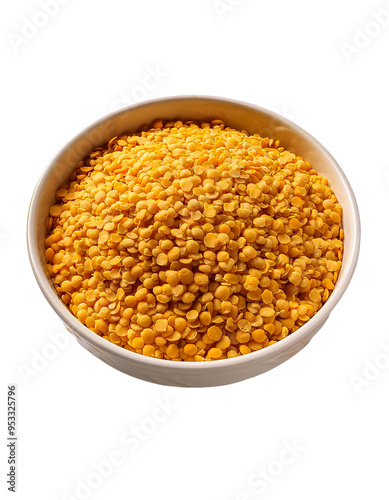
194 241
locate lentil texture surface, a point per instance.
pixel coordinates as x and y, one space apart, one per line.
194 241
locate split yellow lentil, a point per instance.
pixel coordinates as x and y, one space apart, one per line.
194 241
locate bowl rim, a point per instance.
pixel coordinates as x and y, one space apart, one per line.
273 350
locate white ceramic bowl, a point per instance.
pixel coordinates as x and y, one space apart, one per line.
241 116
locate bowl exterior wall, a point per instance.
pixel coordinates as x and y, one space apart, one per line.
213 376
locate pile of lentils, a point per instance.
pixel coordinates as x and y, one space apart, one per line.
194 241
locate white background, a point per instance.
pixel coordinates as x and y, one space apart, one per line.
92 56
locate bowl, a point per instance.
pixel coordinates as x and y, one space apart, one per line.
241 116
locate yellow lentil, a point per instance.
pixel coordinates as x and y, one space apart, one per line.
214 353
190 349
214 333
